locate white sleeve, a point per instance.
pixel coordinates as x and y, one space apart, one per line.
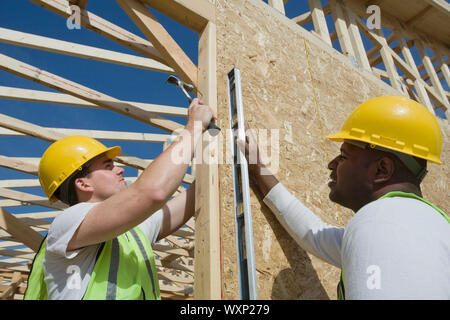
152 225
309 231
64 226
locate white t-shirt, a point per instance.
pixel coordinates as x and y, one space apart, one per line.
393 248
67 274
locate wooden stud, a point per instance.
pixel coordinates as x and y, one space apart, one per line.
193 14
342 31
356 40
420 89
277 5
431 72
318 17
161 39
208 279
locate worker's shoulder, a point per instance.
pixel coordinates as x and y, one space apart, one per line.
402 210
70 216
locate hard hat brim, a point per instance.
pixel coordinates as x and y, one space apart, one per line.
341 136
113 152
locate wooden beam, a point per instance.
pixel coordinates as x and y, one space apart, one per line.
431 72
161 39
82 3
19 165
99 134
193 14
19 230
208 278
8 294
78 50
103 27
441 5
31 199
277 5
53 81
356 40
420 89
302 19
318 17
342 30
65 99
51 135
29 128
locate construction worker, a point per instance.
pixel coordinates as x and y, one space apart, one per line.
100 247
397 246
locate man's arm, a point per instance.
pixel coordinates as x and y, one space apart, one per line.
307 229
131 206
177 212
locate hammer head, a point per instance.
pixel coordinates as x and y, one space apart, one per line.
174 80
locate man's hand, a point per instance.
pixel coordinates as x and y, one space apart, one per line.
258 172
250 150
199 112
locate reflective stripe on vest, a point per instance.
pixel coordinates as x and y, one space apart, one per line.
125 269
341 284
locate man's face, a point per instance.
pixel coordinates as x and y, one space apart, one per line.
105 178
350 183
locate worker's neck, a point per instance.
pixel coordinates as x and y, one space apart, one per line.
89 197
404 187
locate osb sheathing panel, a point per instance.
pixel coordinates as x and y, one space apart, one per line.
278 94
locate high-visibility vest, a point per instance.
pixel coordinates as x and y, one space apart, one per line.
124 270
341 284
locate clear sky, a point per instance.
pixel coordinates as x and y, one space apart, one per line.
121 82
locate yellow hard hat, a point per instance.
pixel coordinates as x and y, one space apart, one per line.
65 156
395 123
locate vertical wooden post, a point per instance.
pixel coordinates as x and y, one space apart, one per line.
320 24
342 31
278 5
356 40
431 72
207 265
420 89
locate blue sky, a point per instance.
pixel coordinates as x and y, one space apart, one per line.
121 82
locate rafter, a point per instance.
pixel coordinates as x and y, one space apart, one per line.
19 230
161 39
53 81
79 50
65 99
103 27
193 14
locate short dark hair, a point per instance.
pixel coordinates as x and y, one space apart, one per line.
67 192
